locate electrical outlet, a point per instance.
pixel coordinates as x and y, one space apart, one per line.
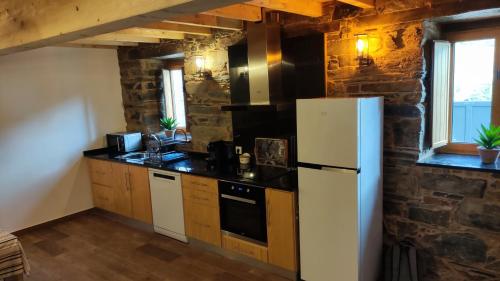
238 149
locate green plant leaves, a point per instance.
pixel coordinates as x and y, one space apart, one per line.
489 137
168 123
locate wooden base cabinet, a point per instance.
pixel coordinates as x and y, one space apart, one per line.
101 172
103 196
201 209
246 248
202 223
281 228
122 189
122 198
140 194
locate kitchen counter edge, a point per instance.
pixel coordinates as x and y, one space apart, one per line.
191 166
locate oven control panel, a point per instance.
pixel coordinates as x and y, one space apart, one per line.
241 190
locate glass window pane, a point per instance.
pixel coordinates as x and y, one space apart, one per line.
167 90
178 97
472 88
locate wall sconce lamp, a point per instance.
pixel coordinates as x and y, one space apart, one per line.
200 64
362 49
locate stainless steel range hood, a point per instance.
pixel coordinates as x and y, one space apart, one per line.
264 62
264 71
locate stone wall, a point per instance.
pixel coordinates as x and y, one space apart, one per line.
142 86
207 92
452 216
141 93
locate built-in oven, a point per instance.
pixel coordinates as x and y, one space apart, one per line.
243 211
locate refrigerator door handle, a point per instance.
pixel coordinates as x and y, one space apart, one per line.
340 170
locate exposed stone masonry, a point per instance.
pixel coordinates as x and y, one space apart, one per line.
206 93
141 93
452 216
142 87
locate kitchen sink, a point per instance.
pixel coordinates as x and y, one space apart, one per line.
139 156
142 156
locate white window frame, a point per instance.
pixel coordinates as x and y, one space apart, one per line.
469 35
169 106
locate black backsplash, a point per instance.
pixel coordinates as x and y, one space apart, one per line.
303 77
248 125
304 66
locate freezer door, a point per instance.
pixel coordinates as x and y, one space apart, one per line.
328 132
328 223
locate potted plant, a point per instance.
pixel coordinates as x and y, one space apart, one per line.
169 124
488 141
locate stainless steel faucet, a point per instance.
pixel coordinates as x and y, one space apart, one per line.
183 132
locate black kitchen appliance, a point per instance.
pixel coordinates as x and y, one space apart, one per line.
124 142
222 156
243 211
301 74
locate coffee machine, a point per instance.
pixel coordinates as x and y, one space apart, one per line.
222 156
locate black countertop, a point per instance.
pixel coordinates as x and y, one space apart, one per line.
457 161
196 165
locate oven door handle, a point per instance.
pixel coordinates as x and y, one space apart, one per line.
239 199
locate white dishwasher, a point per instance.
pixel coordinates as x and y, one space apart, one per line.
166 198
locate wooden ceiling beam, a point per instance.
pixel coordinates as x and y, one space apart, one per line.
131 35
116 37
180 28
149 33
237 11
364 4
207 21
95 42
311 8
31 24
76 45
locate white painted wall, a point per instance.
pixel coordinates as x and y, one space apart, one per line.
54 103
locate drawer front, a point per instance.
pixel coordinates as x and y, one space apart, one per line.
202 222
201 197
101 172
200 190
200 184
103 197
243 247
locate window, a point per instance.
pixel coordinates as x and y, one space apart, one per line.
174 96
465 94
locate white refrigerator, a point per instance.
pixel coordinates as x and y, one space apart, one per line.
339 146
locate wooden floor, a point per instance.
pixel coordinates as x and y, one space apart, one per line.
92 247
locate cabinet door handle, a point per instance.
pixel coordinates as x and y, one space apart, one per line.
101 173
129 181
199 184
202 224
200 198
268 212
126 181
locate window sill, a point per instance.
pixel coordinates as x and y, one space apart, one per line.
458 161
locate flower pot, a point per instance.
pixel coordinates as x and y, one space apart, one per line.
169 133
488 156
